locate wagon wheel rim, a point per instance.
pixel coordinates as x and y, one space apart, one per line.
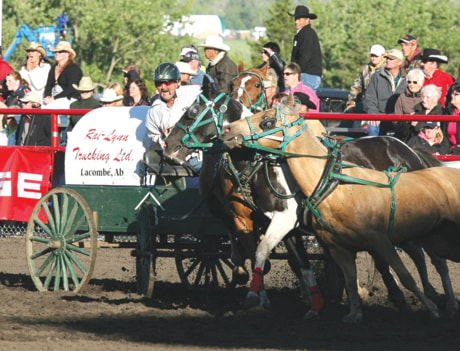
61 242
201 263
145 251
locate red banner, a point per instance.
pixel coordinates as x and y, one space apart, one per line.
24 179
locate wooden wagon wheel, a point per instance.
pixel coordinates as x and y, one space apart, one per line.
61 241
204 262
145 251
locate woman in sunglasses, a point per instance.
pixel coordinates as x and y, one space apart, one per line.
271 56
59 90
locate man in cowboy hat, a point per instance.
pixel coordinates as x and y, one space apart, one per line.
85 102
411 52
431 58
306 50
220 66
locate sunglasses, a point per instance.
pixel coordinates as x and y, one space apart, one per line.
167 83
288 73
412 82
265 52
59 52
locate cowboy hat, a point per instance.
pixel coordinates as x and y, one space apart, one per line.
109 95
215 42
185 68
34 46
433 55
64 46
30 97
304 99
302 12
86 84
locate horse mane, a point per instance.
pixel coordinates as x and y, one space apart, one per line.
427 157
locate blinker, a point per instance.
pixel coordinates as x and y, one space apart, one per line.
268 123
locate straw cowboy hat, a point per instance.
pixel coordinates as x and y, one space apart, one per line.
64 46
185 68
302 12
109 95
215 42
30 97
85 84
34 46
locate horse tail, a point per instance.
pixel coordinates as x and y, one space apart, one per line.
427 157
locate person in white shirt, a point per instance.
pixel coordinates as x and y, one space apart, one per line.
170 103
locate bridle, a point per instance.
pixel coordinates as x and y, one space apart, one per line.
194 112
261 103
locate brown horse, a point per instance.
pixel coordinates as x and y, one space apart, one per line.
248 88
354 216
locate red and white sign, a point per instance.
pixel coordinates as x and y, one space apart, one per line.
106 147
24 178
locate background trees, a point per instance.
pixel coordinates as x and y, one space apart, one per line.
112 33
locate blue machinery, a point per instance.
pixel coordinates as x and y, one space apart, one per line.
46 36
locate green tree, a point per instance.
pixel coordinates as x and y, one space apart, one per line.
108 34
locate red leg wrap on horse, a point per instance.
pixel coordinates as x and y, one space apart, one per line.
317 299
257 280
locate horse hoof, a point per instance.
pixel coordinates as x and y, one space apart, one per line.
311 315
451 309
353 318
267 267
240 276
251 300
264 300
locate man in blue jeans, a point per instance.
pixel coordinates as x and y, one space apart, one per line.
306 50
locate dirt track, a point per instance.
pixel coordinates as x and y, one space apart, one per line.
110 316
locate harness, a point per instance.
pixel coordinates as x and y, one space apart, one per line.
189 139
332 175
261 103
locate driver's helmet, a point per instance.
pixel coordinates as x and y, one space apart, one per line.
165 72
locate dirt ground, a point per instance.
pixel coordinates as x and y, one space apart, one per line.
109 315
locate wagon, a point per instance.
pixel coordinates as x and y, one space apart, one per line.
124 202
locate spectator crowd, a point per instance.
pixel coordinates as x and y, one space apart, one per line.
402 80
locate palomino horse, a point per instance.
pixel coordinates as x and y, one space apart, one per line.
249 89
358 209
201 124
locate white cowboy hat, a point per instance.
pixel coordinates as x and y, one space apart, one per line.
185 68
215 42
64 46
109 95
86 84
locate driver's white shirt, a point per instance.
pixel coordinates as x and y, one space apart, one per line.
161 116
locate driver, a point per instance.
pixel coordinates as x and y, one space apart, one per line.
170 103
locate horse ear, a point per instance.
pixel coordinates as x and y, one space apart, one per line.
241 67
207 87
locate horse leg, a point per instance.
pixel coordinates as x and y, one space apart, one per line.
386 251
346 260
443 270
415 252
395 294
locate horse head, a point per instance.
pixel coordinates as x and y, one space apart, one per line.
249 89
202 122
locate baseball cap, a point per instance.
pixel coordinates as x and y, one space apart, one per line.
189 54
431 125
407 39
395 54
377 50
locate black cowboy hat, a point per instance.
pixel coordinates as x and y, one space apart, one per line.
302 12
304 99
433 55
